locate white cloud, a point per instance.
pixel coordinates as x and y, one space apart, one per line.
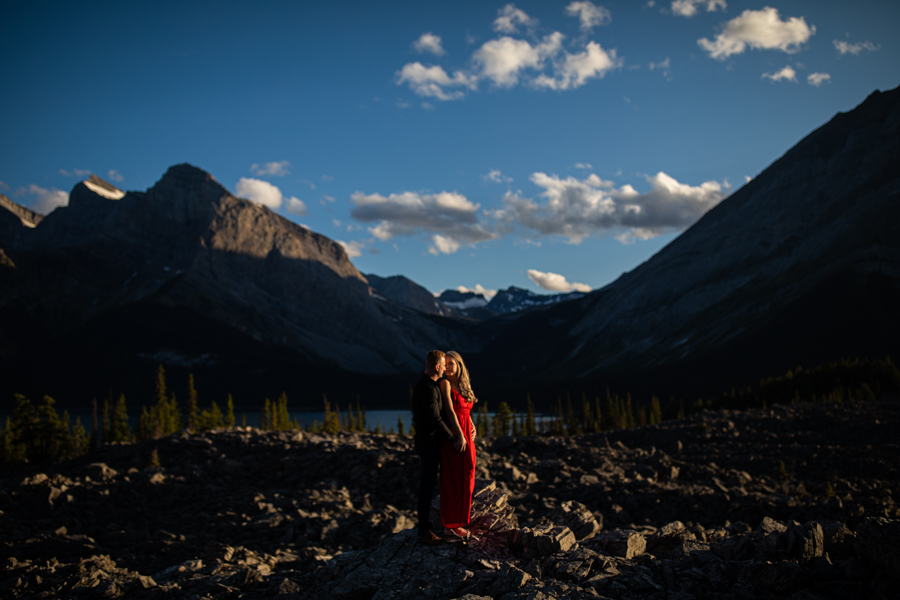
508 61
589 14
450 217
497 177
509 18
576 69
854 49
502 59
431 82
583 166
443 245
662 65
688 8
785 74
45 200
353 249
114 175
478 289
327 178
75 172
818 79
3 186
278 169
760 29
261 192
555 282
295 206
428 42
576 209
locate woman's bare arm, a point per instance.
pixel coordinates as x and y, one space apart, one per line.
451 418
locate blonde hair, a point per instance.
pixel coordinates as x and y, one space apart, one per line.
465 384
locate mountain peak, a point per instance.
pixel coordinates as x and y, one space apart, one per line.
103 188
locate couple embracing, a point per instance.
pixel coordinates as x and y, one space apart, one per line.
441 405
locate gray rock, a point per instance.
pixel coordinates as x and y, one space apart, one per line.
626 543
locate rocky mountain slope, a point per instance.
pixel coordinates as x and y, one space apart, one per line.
799 266
187 273
795 499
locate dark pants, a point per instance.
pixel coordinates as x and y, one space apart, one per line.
431 462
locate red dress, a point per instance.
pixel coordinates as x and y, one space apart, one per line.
458 470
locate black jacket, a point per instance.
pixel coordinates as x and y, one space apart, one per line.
426 409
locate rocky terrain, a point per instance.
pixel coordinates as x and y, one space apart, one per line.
792 501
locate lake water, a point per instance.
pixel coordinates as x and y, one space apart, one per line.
386 418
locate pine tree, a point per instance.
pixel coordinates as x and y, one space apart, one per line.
118 429
95 428
331 422
214 417
572 425
243 420
629 412
401 428
530 427
144 429
5 445
655 411
21 427
502 419
265 421
79 439
229 412
193 407
378 428
515 426
52 435
281 418
160 396
106 424
612 411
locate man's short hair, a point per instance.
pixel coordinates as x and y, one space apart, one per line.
433 358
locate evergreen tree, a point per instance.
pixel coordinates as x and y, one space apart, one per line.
266 420
52 436
331 422
243 420
281 417
629 419
401 428
502 419
612 412
229 412
655 411
515 426
378 428
144 429
193 407
214 419
160 395
95 428
5 445
482 422
79 439
118 429
572 425
105 422
530 427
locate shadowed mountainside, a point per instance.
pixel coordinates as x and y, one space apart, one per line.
151 276
800 266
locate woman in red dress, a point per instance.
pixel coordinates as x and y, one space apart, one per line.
457 458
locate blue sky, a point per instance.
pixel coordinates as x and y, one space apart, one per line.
547 145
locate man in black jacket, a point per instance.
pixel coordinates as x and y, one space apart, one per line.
430 431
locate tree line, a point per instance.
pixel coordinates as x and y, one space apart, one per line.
38 433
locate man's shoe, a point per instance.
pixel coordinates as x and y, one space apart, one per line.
460 533
430 539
